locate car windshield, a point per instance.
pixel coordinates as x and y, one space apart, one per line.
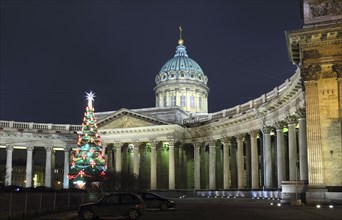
103 199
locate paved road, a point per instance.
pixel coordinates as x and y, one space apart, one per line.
231 209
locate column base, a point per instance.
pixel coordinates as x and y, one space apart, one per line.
317 195
293 191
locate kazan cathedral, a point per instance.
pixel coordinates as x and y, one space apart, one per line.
287 140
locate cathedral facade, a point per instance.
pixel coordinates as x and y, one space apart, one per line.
292 134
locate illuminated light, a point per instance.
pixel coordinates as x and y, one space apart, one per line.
331 206
59 182
234 197
17 147
279 204
271 203
258 198
318 206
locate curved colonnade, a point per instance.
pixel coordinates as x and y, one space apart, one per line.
249 146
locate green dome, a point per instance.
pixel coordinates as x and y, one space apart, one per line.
181 66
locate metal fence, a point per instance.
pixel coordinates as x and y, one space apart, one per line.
15 205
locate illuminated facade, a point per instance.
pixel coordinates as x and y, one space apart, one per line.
290 135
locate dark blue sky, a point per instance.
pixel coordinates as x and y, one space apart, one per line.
54 51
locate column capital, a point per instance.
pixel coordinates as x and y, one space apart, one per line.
301 113
67 149
291 119
9 147
171 142
117 145
239 137
212 143
48 148
29 148
153 143
136 144
279 125
267 129
198 145
226 140
253 134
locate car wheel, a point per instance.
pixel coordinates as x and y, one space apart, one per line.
88 214
133 214
164 207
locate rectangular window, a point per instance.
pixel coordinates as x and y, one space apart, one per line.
183 101
200 102
192 102
173 100
164 101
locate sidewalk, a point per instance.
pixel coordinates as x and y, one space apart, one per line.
68 215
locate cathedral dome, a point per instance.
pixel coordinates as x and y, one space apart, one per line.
181 67
182 83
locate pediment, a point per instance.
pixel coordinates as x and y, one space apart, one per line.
127 119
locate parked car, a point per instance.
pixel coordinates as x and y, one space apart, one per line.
154 201
121 204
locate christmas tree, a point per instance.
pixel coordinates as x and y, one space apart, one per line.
88 163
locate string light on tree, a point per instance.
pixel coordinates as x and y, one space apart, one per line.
88 163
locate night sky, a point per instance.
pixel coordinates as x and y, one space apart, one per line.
54 51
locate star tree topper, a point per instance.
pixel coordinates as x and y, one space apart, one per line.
90 97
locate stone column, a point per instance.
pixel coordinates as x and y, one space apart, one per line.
48 159
153 165
248 170
292 150
268 158
280 152
197 166
109 149
8 178
118 157
212 163
53 166
171 165
66 167
29 151
136 159
303 154
254 160
187 99
203 167
240 162
226 176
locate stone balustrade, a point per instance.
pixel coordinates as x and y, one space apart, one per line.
39 126
250 105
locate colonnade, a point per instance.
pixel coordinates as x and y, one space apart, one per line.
138 150
49 165
245 168
257 159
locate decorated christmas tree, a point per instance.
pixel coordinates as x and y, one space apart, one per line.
88 163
